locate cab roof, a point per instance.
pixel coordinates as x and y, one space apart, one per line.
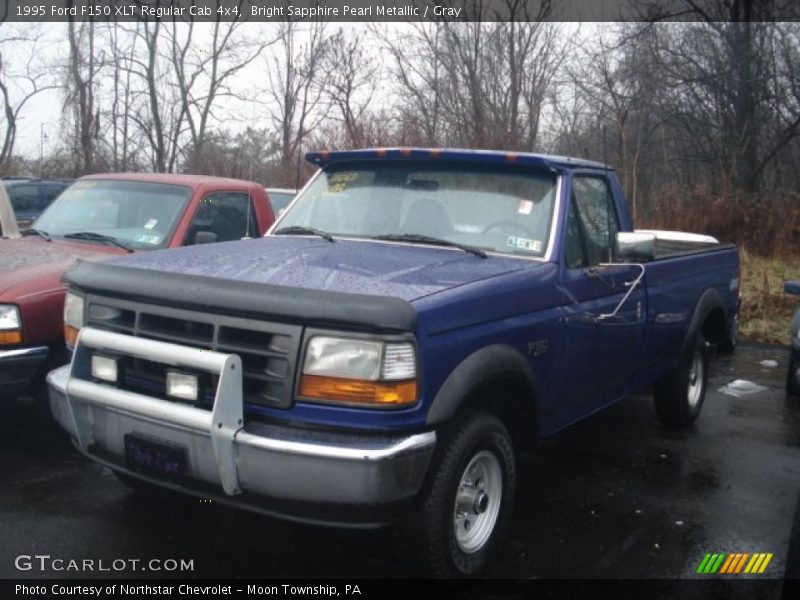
557 163
173 178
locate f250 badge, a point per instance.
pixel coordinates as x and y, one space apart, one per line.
537 348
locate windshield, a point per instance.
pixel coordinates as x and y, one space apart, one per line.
497 209
139 214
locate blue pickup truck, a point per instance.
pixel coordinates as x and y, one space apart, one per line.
412 322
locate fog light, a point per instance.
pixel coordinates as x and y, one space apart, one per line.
105 368
182 385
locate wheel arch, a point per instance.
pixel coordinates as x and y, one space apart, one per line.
496 379
709 319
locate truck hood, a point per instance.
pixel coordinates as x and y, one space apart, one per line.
31 265
357 267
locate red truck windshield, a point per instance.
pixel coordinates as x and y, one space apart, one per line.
505 210
139 214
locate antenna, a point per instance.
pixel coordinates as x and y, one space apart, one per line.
297 172
247 218
605 146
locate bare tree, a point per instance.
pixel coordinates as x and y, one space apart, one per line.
18 84
85 64
351 81
723 68
123 143
478 84
295 79
419 73
204 69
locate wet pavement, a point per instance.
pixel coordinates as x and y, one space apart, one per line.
617 496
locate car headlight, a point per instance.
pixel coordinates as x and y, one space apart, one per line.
366 372
73 317
10 325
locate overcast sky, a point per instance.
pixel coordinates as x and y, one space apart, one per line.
43 114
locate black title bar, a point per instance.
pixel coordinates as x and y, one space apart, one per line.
270 11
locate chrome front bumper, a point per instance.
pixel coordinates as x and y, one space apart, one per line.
256 460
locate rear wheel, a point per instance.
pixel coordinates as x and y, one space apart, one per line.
728 345
679 395
466 506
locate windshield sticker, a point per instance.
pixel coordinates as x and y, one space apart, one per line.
148 238
525 207
339 182
524 244
150 223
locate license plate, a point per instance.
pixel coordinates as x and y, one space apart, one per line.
157 458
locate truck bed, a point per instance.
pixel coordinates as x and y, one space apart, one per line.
672 248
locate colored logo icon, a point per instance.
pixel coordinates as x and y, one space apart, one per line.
733 563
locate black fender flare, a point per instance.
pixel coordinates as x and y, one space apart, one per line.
709 301
479 368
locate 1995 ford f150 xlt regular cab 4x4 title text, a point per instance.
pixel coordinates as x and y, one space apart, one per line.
413 321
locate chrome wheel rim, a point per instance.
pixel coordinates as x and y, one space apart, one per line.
695 391
477 504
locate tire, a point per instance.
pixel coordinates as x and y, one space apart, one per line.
728 345
455 529
679 395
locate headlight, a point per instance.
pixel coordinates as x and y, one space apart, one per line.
10 325
359 371
73 317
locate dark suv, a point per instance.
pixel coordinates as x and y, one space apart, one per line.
31 195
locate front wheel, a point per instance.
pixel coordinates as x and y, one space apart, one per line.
465 508
679 395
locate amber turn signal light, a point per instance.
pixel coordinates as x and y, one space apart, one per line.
70 335
10 337
357 391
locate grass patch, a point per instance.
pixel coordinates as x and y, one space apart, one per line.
766 310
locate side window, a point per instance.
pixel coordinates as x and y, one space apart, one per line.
51 192
227 215
24 198
576 253
595 219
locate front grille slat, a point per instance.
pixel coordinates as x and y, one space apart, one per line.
241 349
268 350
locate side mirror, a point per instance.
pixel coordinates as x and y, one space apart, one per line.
205 237
635 246
792 287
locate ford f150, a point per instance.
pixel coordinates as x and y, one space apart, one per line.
413 321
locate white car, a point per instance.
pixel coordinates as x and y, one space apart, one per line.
8 222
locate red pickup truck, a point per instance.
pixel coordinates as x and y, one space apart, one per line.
97 217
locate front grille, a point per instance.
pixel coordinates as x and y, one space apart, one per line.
268 350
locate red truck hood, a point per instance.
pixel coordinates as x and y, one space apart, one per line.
30 266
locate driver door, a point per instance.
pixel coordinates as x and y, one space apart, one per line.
601 353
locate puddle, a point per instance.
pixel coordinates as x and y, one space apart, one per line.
741 387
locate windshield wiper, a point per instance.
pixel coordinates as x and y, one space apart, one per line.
38 232
99 237
416 238
299 229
